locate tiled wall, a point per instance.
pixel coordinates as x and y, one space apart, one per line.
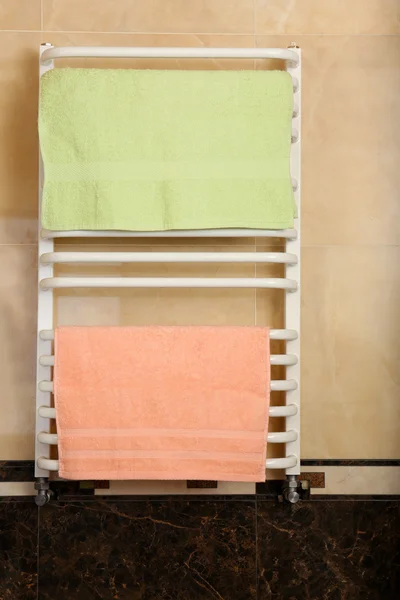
351 215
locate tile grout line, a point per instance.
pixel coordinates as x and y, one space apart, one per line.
23 245
374 246
256 544
144 32
255 239
37 554
249 247
205 33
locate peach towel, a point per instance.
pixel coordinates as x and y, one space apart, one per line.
162 402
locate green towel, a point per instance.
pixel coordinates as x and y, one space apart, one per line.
157 150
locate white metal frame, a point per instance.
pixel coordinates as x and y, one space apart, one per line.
290 258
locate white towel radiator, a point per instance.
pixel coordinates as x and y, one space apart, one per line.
290 462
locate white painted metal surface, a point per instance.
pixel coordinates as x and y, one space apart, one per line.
283 411
285 385
290 258
46 412
167 257
274 334
274 411
167 282
47 464
120 52
47 361
276 385
277 437
275 359
283 359
45 317
187 233
292 271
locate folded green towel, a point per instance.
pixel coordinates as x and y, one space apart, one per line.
156 150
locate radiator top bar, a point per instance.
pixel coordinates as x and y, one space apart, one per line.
162 52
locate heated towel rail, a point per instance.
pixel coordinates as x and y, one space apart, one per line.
290 258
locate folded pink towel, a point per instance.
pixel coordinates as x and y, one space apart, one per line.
162 402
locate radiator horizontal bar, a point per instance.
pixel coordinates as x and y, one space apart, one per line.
283 385
181 233
285 360
48 464
278 385
47 412
281 437
168 257
46 386
282 463
283 334
276 437
168 282
283 411
47 438
46 335
274 334
275 359
46 361
162 52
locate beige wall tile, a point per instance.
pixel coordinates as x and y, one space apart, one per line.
19 14
17 350
18 137
327 17
378 16
305 16
159 488
78 309
219 16
350 139
350 352
186 306
358 480
17 488
189 306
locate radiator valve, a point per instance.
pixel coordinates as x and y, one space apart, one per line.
43 491
290 489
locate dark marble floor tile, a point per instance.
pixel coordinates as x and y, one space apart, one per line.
17 470
18 550
172 550
343 550
350 462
